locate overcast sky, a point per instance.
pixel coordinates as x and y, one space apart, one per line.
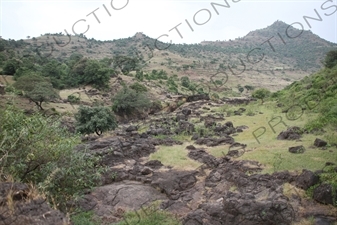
154 18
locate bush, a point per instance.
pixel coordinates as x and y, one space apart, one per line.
73 99
95 119
127 101
138 87
36 150
331 59
261 93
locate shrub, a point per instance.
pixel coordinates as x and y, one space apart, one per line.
261 93
138 87
36 150
95 119
127 101
331 59
73 99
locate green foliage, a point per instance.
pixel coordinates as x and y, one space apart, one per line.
73 99
94 119
125 64
185 81
149 216
10 67
42 92
330 59
127 101
261 93
36 150
37 89
85 218
138 87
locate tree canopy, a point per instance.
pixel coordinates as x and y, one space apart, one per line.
128 101
36 88
261 93
94 119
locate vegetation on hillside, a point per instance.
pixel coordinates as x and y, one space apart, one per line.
35 149
316 93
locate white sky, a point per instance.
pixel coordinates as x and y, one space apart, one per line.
19 19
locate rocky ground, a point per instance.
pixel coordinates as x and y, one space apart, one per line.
221 191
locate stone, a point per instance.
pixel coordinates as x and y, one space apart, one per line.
320 143
297 149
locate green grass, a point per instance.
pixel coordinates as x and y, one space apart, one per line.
149 216
274 153
175 156
85 218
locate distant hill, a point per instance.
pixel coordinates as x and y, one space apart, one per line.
288 59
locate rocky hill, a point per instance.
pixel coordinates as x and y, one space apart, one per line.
284 54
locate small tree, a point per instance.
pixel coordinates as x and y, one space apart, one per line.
261 93
36 88
95 119
241 89
331 59
128 101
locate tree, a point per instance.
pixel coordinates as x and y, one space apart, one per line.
42 92
36 88
241 89
261 93
95 119
331 59
10 67
128 101
185 81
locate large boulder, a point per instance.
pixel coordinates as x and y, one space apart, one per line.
323 194
307 179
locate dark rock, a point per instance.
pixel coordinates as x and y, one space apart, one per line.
194 98
181 117
229 124
306 179
195 137
320 143
215 141
25 208
239 130
143 135
131 128
146 171
323 194
292 133
190 147
297 149
154 164
237 113
186 112
209 123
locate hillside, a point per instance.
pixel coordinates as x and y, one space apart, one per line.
119 132
284 61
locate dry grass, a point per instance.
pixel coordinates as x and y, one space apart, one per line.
5 79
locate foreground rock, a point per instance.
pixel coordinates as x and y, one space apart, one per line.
19 206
